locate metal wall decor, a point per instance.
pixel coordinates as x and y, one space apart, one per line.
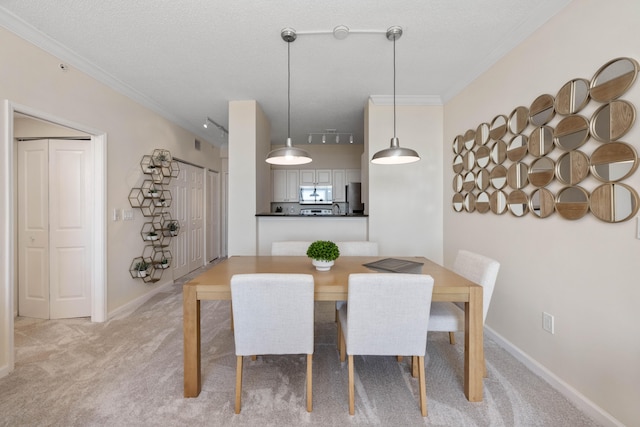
548 158
152 198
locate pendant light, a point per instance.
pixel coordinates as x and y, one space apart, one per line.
288 155
394 154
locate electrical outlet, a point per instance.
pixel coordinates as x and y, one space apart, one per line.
547 322
116 214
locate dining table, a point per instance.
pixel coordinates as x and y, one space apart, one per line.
214 284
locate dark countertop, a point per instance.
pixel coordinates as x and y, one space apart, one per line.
277 214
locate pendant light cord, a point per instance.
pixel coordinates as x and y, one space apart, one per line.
394 86
288 89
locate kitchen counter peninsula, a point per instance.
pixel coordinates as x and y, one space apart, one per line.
288 215
277 227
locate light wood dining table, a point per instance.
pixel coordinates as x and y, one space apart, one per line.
214 284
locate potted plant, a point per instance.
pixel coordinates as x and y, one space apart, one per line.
153 192
152 235
173 228
323 253
141 267
164 263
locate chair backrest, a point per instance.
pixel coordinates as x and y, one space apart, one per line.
479 269
290 248
388 313
272 313
358 248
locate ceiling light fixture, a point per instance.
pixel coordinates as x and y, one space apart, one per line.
220 127
332 133
394 154
288 155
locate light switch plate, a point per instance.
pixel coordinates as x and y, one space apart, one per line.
127 214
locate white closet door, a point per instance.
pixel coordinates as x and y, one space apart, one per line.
70 204
213 215
54 214
196 217
33 229
179 205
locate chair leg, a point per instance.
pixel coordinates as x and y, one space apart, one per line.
337 317
238 383
309 382
452 338
231 315
399 358
339 328
414 366
352 410
423 386
343 347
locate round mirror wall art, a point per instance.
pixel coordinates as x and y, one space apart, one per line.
542 203
572 202
518 120
572 97
498 127
614 161
541 110
613 79
611 121
509 164
614 202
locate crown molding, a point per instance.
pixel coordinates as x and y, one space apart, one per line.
27 32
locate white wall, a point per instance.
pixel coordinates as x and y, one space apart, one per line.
584 272
32 78
249 132
404 205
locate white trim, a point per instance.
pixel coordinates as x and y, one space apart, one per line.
435 100
577 398
7 224
24 30
131 306
7 231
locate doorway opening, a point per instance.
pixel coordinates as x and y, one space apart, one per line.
8 222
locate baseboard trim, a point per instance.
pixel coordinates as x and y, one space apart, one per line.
582 402
131 306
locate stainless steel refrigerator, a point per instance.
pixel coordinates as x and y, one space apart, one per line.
354 198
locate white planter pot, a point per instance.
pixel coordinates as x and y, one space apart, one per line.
152 237
322 265
142 273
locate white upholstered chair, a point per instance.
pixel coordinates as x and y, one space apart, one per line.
290 248
273 314
387 314
355 248
448 316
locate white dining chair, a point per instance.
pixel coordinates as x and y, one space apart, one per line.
355 248
386 314
448 316
290 248
273 314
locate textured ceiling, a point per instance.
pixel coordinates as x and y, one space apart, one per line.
186 59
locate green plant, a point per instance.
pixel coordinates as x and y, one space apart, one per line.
141 266
173 226
323 250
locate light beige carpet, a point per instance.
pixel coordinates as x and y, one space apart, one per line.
128 372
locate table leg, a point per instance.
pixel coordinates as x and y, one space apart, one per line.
473 346
191 331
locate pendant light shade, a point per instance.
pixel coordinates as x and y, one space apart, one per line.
394 155
288 155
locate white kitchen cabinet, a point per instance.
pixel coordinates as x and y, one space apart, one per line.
338 185
285 185
315 176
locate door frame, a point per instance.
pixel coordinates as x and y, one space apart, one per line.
8 200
